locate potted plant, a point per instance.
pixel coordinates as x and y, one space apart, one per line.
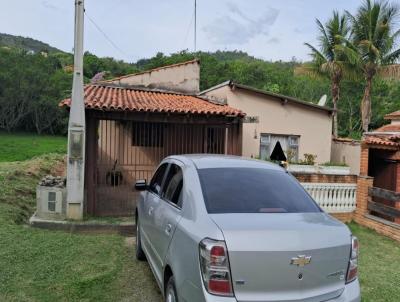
114 177
307 165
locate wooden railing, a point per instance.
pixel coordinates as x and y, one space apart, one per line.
384 203
333 197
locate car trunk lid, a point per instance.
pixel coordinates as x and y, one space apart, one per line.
262 246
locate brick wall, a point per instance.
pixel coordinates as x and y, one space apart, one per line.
316 177
361 215
344 217
328 178
364 160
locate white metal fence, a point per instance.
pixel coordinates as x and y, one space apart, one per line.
333 197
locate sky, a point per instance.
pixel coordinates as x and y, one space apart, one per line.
271 30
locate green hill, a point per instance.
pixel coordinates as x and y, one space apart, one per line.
36 83
27 44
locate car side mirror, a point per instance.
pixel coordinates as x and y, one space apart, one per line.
141 185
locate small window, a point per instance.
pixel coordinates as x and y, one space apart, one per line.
156 181
265 139
148 134
173 185
288 146
293 141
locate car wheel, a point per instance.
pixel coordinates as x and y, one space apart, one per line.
170 291
139 251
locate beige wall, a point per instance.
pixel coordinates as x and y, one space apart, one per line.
347 152
314 126
184 77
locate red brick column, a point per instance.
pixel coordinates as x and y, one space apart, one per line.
364 160
397 204
363 184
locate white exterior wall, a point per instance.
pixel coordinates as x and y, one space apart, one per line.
348 153
184 77
314 126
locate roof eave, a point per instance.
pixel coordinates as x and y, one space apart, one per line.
282 97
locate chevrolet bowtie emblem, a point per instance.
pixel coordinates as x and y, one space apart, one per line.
300 260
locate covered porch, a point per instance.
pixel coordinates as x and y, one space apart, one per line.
129 131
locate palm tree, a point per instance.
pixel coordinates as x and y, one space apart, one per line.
373 45
327 61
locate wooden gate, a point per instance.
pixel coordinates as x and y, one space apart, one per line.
130 150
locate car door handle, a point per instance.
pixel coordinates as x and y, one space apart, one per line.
151 210
168 229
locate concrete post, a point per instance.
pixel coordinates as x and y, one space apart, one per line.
76 126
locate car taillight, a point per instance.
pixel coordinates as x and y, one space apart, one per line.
214 265
352 270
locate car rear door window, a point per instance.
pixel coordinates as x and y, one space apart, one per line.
156 181
173 185
253 190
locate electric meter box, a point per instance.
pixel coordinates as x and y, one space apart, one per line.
51 202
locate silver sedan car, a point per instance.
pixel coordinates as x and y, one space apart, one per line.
227 229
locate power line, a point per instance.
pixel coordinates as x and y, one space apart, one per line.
187 31
106 37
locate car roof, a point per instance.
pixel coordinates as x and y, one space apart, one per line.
206 161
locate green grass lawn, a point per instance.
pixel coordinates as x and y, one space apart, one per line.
40 265
379 265
22 146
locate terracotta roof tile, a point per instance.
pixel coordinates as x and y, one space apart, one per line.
106 98
392 115
389 128
389 141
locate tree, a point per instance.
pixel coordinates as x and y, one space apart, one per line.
373 45
328 61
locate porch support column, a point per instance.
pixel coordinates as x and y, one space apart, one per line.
364 159
363 185
240 138
91 163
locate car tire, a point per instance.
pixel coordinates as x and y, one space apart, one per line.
139 251
170 291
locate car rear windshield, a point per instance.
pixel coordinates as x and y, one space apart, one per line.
253 190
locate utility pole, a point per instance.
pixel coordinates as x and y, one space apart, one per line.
195 24
76 125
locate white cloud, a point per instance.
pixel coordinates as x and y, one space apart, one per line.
236 27
273 40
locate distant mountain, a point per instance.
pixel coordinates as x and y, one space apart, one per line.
27 44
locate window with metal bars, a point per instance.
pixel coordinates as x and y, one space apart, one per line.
147 134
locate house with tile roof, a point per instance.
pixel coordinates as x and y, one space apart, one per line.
278 124
134 121
378 193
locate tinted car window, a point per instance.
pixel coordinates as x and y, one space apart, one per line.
253 190
173 184
156 181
